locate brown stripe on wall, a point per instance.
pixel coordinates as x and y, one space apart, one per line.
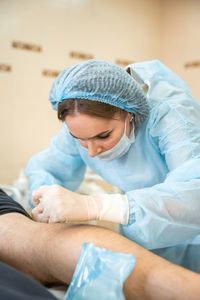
123 63
192 64
80 55
26 46
50 73
5 68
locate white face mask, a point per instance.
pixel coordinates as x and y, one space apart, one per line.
120 148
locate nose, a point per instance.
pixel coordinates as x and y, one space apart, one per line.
93 148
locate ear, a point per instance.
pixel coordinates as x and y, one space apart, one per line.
131 116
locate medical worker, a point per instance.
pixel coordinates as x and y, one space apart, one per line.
138 128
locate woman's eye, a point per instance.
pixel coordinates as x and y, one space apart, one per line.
104 136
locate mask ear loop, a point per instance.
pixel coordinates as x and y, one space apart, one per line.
125 125
132 122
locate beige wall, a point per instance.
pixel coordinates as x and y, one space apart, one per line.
180 41
107 29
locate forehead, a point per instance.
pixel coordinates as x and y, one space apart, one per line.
85 126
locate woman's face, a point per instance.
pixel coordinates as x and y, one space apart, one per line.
97 134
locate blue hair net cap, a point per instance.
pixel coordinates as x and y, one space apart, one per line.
102 81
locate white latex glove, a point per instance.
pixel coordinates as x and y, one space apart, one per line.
57 204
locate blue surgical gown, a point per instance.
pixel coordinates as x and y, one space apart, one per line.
160 173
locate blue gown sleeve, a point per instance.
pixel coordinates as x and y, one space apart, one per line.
169 213
59 164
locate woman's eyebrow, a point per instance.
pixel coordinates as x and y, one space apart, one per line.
93 137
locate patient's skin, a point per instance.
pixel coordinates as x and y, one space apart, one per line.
49 253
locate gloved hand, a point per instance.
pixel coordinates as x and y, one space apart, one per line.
57 204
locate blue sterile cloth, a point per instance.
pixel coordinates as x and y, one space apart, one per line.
100 274
160 173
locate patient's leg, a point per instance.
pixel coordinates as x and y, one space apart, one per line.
49 253
23 245
152 278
